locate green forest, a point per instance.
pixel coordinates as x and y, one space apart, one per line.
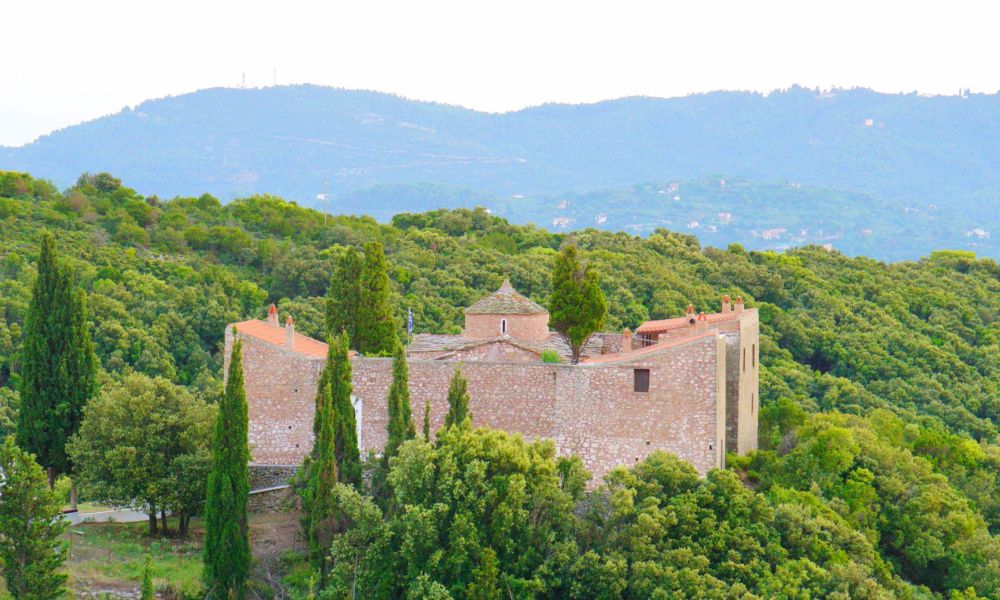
879 469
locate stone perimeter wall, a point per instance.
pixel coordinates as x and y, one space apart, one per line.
587 410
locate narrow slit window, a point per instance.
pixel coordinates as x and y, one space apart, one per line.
753 355
641 380
503 325
744 359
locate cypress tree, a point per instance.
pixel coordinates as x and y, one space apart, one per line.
458 400
227 542
343 296
427 420
577 307
400 426
58 364
345 433
321 477
148 592
376 331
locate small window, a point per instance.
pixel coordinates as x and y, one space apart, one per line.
744 359
753 355
753 403
641 380
503 325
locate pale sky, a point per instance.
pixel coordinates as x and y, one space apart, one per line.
63 62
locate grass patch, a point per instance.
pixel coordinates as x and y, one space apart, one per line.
109 556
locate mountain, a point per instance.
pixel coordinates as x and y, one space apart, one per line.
936 157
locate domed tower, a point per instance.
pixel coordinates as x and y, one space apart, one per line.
507 312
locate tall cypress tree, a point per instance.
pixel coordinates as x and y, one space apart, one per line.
427 420
458 400
376 333
343 296
227 541
345 433
400 427
58 364
321 477
577 307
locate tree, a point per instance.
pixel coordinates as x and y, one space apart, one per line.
400 427
337 374
30 525
376 332
343 297
577 307
321 477
148 591
227 541
58 364
458 400
427 420
145 442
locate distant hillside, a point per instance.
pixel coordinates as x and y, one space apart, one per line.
934 156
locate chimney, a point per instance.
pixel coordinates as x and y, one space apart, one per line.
272 316
702 324
739 304
626 341
690 314
289 332
726 304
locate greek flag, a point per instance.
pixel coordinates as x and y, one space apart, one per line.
409 321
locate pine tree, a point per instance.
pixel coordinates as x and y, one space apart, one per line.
58 364
31 553
343 296
458 400
345 432
321 477
376 330
227 542
148 592
577 307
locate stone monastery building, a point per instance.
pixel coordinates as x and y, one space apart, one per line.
687 385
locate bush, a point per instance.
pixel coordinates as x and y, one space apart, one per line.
551 356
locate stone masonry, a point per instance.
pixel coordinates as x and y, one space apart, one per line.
676 387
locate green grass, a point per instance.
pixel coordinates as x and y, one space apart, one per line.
108 556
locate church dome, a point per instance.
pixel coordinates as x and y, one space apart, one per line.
506 301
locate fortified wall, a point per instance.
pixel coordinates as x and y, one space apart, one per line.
677 388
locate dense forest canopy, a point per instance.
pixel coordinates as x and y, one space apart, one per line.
905 173
880 383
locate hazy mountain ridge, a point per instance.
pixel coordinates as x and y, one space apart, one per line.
939 156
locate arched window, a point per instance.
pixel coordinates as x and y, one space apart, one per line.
503 326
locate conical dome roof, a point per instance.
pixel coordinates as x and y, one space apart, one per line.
506 301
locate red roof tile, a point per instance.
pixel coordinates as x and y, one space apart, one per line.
626 356
263 330
679 322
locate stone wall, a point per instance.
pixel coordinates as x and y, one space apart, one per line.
533 327
589 410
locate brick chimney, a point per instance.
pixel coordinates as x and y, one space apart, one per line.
690 314
739 304
626 341
272 316
726 304
289 332
702 322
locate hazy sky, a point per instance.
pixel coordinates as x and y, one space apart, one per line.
68 61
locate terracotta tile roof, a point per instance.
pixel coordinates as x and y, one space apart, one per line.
506 301
262 330
627 356
678 322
